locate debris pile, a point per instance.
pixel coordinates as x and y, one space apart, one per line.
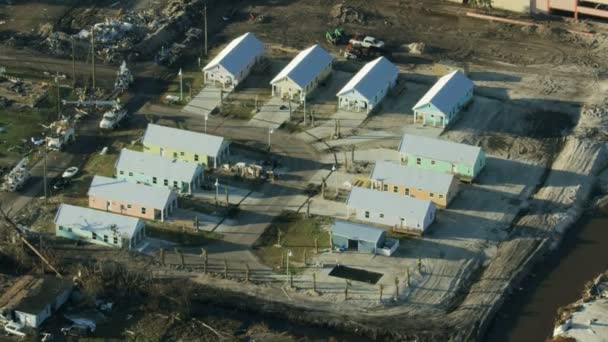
171 55
415 48
347 14
124 77
15 179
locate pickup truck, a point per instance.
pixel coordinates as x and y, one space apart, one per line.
367 42
111 119
58 140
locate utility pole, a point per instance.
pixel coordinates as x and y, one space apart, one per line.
181 85
44 178
73 65
93 55
304 110
58 96
205 17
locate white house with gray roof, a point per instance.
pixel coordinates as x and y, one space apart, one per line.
369 86
303 74
401 213
437 187
462 160
98 227
205 149
145 168
442 103
232 65
125 198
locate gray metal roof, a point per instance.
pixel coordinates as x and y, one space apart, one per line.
439 149
238 54
356 231
411 176
305 66
446 92
183 140
158 166
389 203
132 193
95 220
373 77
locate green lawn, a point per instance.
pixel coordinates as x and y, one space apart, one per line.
183 238
297 235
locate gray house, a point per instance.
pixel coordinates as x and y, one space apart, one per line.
357 237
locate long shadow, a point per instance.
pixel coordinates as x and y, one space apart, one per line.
492 76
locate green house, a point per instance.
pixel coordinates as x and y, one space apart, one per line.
462 160
205 149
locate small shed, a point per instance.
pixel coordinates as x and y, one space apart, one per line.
357 237
369 86
444 101
303 74
235 61
32 300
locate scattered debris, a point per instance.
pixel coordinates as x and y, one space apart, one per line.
347 14
415 48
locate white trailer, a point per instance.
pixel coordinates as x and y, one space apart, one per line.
18 176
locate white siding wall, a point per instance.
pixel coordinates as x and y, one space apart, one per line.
393 221
33 320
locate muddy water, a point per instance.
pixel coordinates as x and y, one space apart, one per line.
529 314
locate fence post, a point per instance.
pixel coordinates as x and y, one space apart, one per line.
225 269
396 288
380 289
314 282
162 257
247 272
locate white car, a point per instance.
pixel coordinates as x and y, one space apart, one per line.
14 328
367 42
70 172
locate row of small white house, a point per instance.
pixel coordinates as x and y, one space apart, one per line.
363 92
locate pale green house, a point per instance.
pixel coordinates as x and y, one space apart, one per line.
462 160
205 149
145 168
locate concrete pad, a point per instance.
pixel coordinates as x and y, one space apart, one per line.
371 155
517 178
236 195
349 121
206 101
271 115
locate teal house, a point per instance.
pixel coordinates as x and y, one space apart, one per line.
444 101
462 160
145 168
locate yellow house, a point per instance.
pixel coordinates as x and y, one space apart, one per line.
205 149
437 187
303 74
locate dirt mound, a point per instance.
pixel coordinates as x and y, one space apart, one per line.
347 14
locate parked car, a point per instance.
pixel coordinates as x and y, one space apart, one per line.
14 328
61 183
70 172
367 42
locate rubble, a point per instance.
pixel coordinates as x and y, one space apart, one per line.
124 77
415 48
347 14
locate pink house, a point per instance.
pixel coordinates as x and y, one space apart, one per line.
132 199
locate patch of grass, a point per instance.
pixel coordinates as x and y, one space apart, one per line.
102 165
238 110
298 234
201 206
292 126
182 238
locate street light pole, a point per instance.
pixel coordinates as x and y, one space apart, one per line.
335 170
217 187
206 118
181 85
44 177
288 255
270 131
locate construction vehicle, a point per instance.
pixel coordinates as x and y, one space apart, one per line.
62 133
18 176
112 118
336 36
367 42
362 53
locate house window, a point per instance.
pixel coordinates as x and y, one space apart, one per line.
418 161
174 154
154 180
166 182
105 238
143 211
407 191
70 230
431 194
130 174
367 214
175 184
128 206
60 228
196 157
181 154
94 235
432 162
381 215
440 196
116 240
395 188
385 187
122 172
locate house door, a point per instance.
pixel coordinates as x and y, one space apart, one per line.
162 152
353 244
108 205
454 168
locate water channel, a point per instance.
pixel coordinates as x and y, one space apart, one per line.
529 314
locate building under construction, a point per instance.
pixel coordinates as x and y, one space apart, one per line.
596 8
